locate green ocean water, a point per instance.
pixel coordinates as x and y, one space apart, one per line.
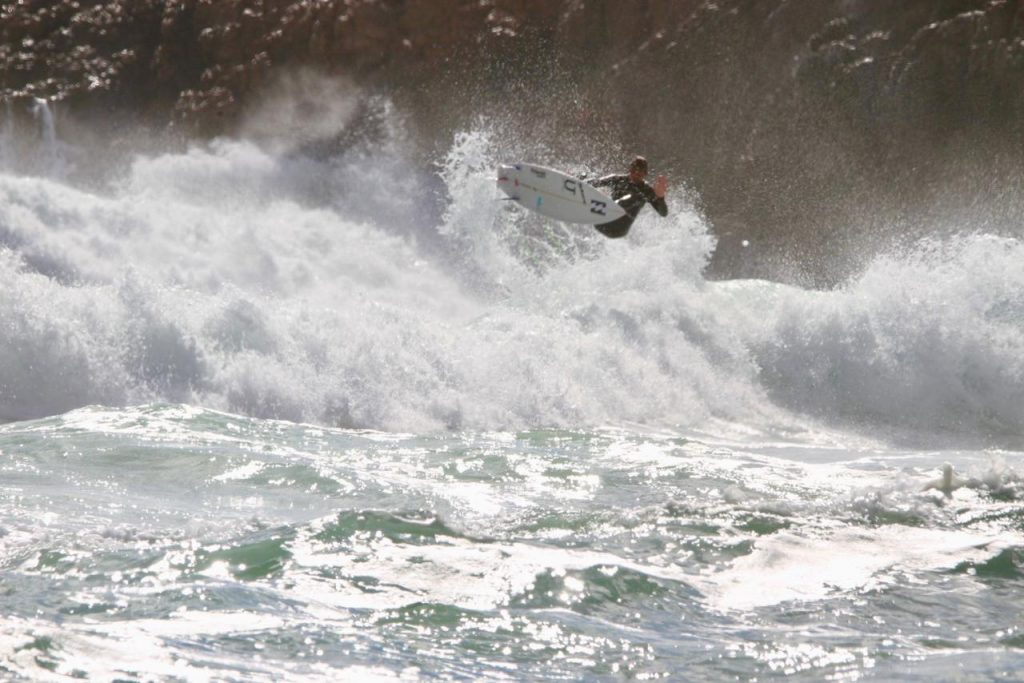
167 542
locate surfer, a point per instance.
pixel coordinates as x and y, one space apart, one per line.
632 191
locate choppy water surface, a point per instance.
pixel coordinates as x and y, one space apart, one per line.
174 542
268 417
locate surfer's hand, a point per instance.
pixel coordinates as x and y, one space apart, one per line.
660 187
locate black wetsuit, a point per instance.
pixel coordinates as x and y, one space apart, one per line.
631 197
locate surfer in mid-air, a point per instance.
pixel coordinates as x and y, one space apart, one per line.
632 191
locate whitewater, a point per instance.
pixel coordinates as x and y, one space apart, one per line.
269 415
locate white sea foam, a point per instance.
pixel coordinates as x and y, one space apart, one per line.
791 567
218 277
931 339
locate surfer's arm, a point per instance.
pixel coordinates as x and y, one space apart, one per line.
656 200
603 182
660 206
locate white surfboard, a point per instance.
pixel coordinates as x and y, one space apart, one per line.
557 195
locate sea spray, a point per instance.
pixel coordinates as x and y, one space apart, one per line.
211 276
929 340
7 137
53 159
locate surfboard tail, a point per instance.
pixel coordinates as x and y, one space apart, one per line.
556 195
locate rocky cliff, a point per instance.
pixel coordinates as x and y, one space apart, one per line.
808 127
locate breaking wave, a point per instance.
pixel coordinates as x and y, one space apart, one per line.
366 291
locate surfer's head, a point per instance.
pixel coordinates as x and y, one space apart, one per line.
638 170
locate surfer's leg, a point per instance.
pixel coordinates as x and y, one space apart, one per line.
617 228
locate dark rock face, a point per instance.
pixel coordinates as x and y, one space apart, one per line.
193 62
808 127
816 128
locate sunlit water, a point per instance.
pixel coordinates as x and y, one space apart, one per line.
270 418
